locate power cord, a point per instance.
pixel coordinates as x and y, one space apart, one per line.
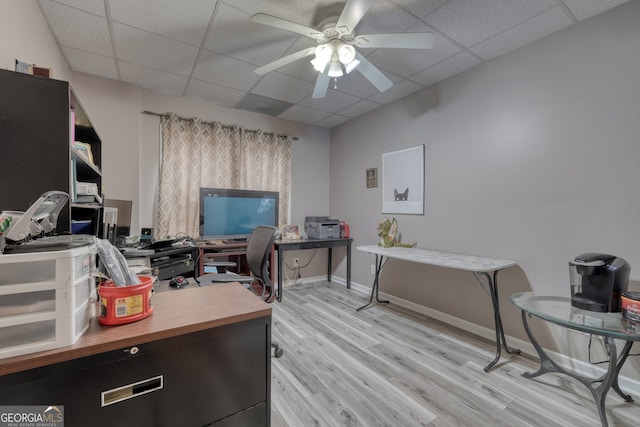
607 349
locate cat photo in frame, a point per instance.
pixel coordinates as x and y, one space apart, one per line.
403 181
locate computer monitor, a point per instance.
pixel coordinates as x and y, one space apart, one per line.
230 214
123 222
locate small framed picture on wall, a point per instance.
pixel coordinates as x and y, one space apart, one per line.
372 177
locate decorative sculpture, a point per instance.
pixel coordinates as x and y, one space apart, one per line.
389 236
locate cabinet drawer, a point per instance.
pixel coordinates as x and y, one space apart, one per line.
207 376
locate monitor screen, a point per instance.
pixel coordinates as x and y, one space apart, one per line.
123 224
233 214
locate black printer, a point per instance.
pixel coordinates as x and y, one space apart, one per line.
598 281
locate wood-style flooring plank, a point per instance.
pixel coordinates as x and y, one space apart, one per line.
389 366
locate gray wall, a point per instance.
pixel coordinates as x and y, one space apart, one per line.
531 157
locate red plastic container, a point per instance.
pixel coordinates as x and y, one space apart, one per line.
125 304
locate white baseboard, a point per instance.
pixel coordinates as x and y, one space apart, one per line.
580 367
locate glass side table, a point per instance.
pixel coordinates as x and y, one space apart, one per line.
611 326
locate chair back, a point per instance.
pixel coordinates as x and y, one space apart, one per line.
259 252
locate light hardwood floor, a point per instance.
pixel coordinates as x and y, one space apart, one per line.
388 366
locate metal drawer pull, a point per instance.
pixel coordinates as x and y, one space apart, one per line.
129 391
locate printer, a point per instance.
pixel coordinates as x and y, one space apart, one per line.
321 227
598 281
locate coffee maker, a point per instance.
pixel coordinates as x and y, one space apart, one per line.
598 281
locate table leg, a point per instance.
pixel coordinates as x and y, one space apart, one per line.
329 265
607 381
501 341
279 284
349 266
376 281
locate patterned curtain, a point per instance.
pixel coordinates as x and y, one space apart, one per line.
198 154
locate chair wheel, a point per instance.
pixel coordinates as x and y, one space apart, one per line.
278 352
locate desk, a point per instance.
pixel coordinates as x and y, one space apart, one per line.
221 251
479 266
295 245
187 341
611 326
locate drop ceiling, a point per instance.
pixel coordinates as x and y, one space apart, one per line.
208 50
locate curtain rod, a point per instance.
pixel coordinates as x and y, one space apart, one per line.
151 113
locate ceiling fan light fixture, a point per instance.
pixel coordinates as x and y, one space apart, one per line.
319 64
351 66
346 53
324 52
335 68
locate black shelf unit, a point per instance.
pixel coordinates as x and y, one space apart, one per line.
39 120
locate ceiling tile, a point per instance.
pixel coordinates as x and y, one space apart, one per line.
217 94
151 79
234 35
186 22
77 29
301 114
225 71
397 91
420 8
308 13
92 6
301 68
406 62
535 28
332 120
90 63
333 102
359 108
471 21
263 105
279 86
447 68
153 51
385 17
583 9
212 46
356 84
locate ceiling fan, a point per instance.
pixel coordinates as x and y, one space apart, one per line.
337 40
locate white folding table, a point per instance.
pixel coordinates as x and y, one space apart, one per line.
478 266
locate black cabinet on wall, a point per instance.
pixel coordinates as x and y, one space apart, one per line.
40 118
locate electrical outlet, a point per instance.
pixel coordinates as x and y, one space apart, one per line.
296 262
373 269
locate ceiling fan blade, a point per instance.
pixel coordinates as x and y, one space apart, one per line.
285 60
322 84
399 40
283 24
373 74
352 13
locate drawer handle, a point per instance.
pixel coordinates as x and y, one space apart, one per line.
132 390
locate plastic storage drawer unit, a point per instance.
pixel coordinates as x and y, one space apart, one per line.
45 299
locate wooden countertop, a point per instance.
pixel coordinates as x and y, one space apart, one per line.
174 313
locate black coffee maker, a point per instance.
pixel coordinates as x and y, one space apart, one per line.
598 281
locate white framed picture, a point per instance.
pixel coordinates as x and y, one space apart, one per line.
403 181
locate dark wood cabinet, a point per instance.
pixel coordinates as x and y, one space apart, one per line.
202 358
40 118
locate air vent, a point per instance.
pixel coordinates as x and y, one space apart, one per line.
263 105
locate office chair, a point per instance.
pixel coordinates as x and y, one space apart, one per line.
258 253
